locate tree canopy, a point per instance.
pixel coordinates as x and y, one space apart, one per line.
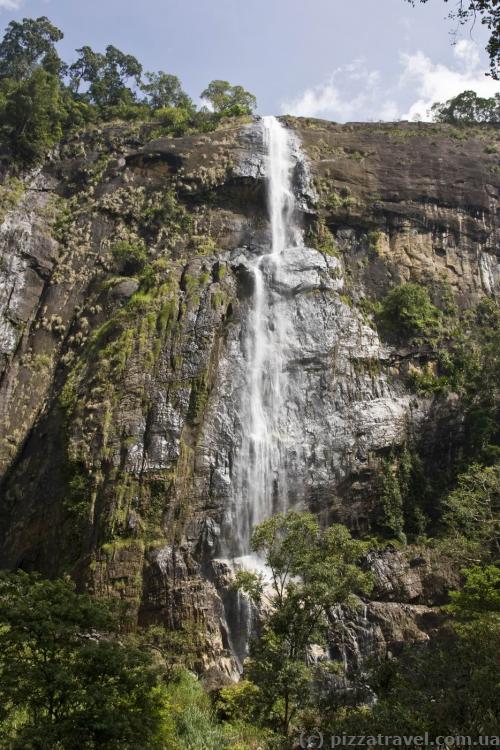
467 108
65 679
165 90
311 571
229 100
43 100
29 44
107 76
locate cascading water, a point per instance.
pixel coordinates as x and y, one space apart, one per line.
259 471
260 480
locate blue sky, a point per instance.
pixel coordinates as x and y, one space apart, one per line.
339 59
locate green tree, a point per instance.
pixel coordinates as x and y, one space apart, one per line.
469 359
403 495
467 108
178 649
228 100
479 596
472 508
65 680
488 12
107 76
165 90
27 45
35 112
311 571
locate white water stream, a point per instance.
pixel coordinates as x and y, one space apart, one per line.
260 479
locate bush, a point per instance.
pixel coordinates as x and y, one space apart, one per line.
174 119
238 702
407 311
34 113
129 258
193 725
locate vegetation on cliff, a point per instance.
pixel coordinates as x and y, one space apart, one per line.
311 571
446 687
159 270
42 99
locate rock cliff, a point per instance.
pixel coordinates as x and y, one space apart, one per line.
125 291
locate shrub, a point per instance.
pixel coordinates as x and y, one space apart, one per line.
175 120
407 311
239 701
129 258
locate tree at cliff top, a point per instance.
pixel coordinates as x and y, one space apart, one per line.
28 45
311 571
229 100
35 109
34 114
467 108
488 12
165 90
107 76
43 100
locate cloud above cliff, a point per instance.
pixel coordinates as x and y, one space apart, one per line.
437 83
356 92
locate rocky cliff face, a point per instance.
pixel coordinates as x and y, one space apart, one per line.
125 294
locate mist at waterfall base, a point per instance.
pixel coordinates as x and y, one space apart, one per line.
259 473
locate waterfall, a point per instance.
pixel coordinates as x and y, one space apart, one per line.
260 480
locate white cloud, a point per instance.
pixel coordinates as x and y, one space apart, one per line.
433 82
11 4
355 92
328 98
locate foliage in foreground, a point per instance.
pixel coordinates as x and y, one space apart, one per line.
65 680
446 686
70 679
311 571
